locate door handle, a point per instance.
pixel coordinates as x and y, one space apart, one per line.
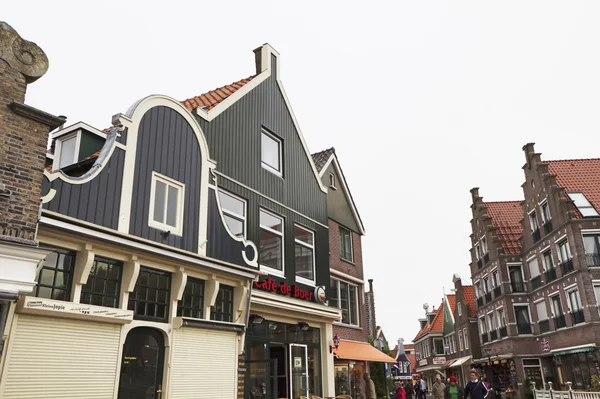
159 392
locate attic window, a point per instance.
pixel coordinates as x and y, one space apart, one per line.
583 205
67 149
332 181
271 157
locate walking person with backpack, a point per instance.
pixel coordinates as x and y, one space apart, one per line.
475 388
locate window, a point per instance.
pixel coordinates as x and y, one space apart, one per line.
541 310
346 244
564 253
453 343
460 340
484 246
591 242
597 293
304 242
459 308
583 205
486 284
270 153
491 321
223 309
103 285
438 345
345 297
478 292
67 150
523 319
166 204
466 338
56 274
533 221
574 301
192 301
547 258
534 269
482 325
234 213
501 320
151 297
477 251
516 278
271 241
556 306
332 180
546 212
495 278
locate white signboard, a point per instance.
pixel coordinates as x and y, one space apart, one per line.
439 360
30 304
423 362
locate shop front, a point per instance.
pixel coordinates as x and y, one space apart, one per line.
289 347
577 365
459 368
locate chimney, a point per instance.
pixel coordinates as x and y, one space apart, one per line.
475 194
23 149
266 58
370 285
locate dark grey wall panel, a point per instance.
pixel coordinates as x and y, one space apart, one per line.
234 140
167 145
220 244
96 201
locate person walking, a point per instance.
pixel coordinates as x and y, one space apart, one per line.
453 391
475 388
438 388
370 388
422 388
408 387
400 391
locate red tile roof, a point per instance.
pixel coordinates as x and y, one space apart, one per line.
578 175
437 325
469 294
212 98
506 217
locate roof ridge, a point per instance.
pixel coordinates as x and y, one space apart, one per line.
503 202
213 97
571 160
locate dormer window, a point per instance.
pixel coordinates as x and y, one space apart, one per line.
583 205
332 181
166 204
270 156
67 150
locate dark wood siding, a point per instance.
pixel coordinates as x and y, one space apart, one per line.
90 143
167 145
255 202
234 140
96 201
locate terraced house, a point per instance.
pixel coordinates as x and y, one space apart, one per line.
187 254
536 271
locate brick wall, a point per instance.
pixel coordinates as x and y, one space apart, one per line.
22 157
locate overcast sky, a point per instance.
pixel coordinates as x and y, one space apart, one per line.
422 100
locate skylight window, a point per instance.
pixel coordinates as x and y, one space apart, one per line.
583 205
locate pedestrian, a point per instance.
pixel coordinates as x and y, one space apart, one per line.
453 391
475 388
400 391
408 387
370 388
438 388
422 388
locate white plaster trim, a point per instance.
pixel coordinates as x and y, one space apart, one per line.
570 287
58 150
168 182
349 277
560 239
539 300
283 304
216 172
76 126
122 239
48 197
132 122
589 231
336 165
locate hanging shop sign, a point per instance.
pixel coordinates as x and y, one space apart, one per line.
439 360
42 306
291 290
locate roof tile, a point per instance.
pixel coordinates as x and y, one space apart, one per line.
578 175
321 158
469 294
506 217
214 97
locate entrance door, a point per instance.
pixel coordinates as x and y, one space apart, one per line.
142 365
298 371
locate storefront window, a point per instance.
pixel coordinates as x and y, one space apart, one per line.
314 371
342 380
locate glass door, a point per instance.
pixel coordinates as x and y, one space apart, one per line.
298 371
257 379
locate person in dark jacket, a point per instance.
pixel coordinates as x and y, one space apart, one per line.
452 390
475 388
408 387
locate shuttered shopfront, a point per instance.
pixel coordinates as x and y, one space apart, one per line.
204 364
61 358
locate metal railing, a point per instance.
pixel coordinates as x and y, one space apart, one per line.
560 322
493 335
486 258
497 291
536 282
488 297
536 235
503 332
566 267
548 227
484 338
524 328
544 326
550 393
517 286
479 263
550 275
577 317
479 302
593 259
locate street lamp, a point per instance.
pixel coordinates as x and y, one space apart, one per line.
380 345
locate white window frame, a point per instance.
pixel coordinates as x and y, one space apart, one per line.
501 321
466 338
568 247
536 269
484 246
519 304
542 204
560 302
543 302
280 146
491 321
234 215
453 345
340 228
280 273
58 149
533 218
312 248
483 324
495 278
332 181
544 263
486 284
577 297
583 206
177 230
339 300
460 340
459 307
478 255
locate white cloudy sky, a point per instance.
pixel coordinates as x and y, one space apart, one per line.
423 100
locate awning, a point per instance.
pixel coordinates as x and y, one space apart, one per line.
573 349
449 363
460 361
361 351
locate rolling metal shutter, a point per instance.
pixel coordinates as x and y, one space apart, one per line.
204 364
61 358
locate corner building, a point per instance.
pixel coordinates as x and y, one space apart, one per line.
188 255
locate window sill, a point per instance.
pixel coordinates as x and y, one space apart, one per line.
304 281
272 272
347 261
353 326
50 307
